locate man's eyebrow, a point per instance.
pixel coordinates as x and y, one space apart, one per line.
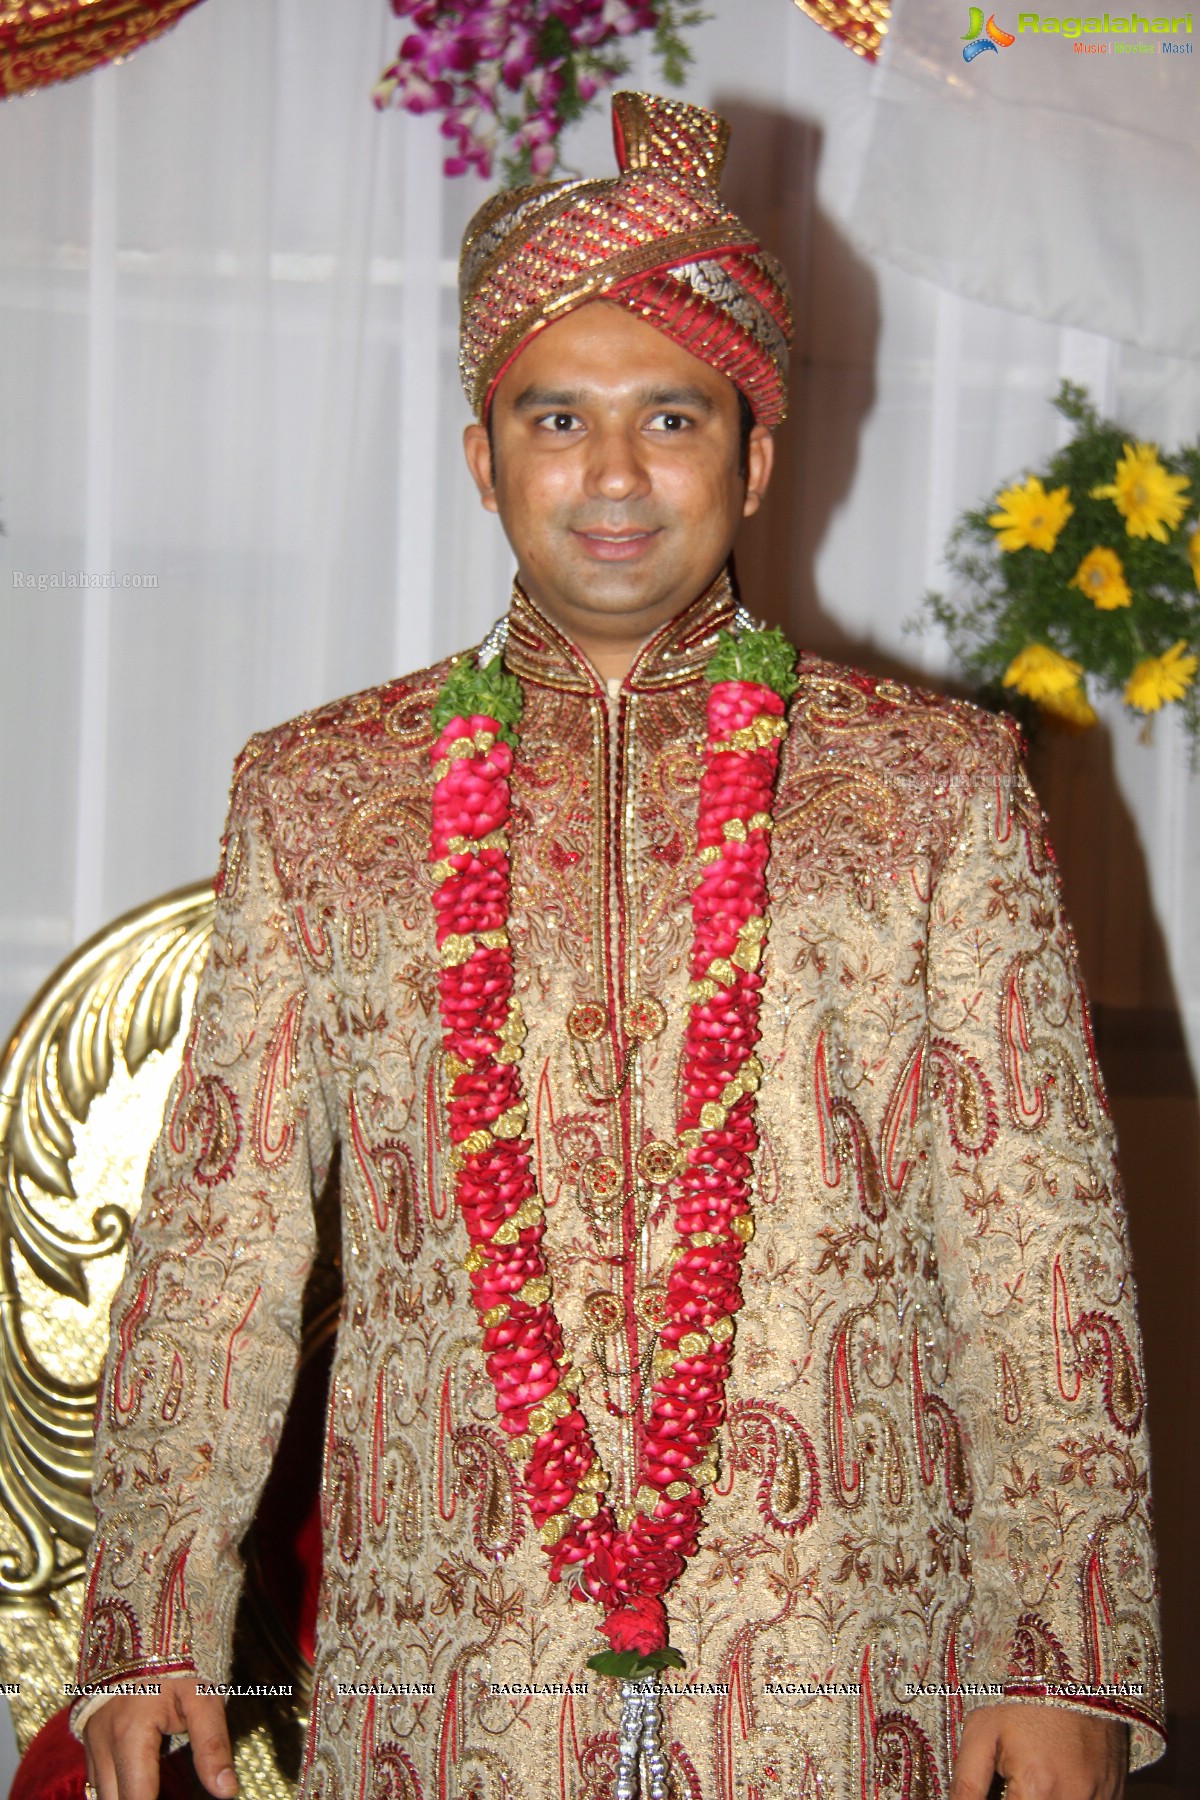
538 399
694 397
535 399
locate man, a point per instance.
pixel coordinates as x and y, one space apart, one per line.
921 1538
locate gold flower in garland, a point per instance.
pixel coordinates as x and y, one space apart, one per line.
1043 674
1150 499
1101 576
1194 555
1030 517
1159 679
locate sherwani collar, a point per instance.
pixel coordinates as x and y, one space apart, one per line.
537 651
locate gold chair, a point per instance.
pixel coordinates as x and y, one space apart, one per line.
83 1084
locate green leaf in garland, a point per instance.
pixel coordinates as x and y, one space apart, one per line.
762 655
633 1665
491 690
624 1665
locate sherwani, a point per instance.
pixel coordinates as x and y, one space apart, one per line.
933 1481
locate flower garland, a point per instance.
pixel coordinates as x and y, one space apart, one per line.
623 1559
1086 573
520 71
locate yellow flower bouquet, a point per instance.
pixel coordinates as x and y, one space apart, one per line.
1082 579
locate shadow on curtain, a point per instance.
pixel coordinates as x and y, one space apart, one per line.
771 180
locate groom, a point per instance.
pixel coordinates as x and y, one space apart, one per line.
900 1526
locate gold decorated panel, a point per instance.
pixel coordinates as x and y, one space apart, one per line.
47 41
83 1082
860 24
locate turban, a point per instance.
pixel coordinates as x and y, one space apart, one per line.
655 239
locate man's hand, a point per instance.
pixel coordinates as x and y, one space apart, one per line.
123 1741
1041 1753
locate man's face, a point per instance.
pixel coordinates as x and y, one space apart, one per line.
616 476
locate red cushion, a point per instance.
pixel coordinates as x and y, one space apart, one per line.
55 1768
286 1569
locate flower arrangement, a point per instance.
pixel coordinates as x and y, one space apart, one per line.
1084 576
509 75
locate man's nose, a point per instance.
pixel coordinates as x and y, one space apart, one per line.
617 463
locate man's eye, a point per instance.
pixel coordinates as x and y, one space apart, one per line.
559 421
669 421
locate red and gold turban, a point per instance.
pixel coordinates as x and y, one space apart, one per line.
655 239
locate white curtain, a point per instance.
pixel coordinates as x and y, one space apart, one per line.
227 364
1057 174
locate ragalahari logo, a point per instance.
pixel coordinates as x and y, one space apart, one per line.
983 37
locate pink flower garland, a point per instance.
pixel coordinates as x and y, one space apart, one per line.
625 1564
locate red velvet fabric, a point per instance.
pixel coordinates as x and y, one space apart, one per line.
55 1768
285 1568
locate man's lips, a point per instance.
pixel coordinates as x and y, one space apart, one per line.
616 546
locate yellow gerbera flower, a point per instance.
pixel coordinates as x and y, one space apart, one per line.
1101 576
1150 500
1161 678
1194 555
1028 515
1042 673
1072 708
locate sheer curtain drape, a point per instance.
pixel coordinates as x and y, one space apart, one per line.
227 378
228 368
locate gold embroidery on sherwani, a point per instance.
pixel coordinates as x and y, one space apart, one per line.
933 1470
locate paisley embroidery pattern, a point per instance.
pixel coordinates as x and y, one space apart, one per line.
342 1512
394 1162
939 1264
939 1443
972 1115
1037 1654
204 1126
1094 1344
765 1439
485 1472
274 1128
905 1766
844 1140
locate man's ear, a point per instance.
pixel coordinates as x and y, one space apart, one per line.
478 452
760 460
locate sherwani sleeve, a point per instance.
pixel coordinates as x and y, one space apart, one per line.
1044 1369
205 1325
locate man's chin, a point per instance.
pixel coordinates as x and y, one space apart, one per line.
629 580
646 590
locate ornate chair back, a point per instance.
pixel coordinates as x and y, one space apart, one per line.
84 1079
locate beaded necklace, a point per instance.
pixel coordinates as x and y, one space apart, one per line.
624 1559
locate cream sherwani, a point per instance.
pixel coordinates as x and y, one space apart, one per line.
933 1467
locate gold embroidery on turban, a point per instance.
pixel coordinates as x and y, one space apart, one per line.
656 239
